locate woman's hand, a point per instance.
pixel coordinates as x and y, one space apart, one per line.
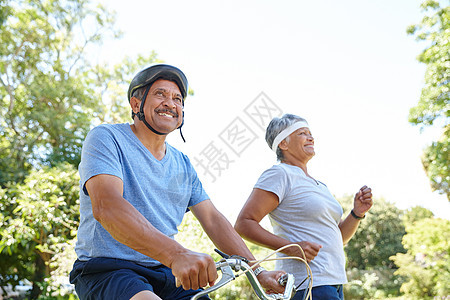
310 249
363 201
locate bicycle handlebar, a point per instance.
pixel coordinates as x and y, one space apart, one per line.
226 266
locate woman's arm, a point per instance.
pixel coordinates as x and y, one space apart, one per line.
224 237
361 204
259 204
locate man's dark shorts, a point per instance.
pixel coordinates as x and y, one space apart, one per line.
110 278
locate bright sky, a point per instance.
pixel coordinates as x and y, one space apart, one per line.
348 67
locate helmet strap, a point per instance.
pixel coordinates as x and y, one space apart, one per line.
182 123
141 114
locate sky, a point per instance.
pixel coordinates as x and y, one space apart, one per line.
348 67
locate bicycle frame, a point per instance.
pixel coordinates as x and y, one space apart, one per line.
229 266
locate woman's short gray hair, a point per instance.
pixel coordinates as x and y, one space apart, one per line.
276 126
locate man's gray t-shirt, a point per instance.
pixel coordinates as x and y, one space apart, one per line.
161 190
306 212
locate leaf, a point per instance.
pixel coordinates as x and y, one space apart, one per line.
434 103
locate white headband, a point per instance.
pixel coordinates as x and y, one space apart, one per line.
286 132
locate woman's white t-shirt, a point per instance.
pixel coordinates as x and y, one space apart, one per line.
307 211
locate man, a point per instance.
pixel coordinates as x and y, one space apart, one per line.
134 191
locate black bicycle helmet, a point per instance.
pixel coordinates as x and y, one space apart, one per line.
155 72
147 77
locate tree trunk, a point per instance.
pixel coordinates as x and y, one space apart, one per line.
38 278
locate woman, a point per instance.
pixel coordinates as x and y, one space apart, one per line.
302 211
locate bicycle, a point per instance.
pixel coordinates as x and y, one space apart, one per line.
233 266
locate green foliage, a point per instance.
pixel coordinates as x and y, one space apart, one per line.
4 11
192 236
369 270
434 102
50 96
436 162
362 288
48 93
415 214
56 286
41 216
48 88
378 283
426 265
113 82
378 237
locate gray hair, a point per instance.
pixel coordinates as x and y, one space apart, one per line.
276 126
139 93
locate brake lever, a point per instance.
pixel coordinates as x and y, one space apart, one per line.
283 280
227 276
226 256
288 281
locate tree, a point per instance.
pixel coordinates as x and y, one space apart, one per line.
426 264
50 96
434 104
42 213
415 214
49 92
378 237
369 270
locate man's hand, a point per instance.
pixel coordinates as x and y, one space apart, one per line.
310 249
269 281
194 270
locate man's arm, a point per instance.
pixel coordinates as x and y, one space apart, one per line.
124 222
219 230
224 237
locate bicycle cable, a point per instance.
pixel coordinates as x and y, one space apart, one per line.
308 294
